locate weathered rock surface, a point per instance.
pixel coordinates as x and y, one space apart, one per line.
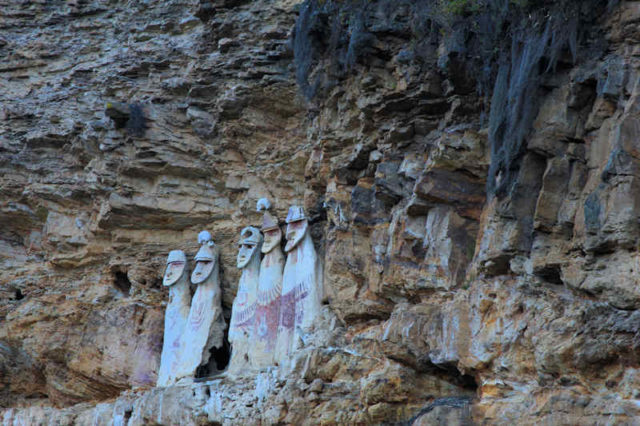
128 126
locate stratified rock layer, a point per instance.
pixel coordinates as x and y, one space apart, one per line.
128 126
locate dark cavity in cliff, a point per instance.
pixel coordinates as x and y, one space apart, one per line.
506 47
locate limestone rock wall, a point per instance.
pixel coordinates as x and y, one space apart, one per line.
446 304
89 210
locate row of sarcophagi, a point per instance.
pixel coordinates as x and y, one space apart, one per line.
276 302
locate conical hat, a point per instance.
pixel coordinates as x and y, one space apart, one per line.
176 256
269 222
295 213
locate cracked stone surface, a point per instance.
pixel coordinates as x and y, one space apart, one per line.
126 127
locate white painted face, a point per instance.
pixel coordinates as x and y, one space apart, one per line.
173 273
295 233
272 238
206 259
245 252
202 271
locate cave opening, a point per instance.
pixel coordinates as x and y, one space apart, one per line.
468 382
452 374
551 274
18 294
121 282
218 360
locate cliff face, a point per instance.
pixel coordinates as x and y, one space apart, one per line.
470 279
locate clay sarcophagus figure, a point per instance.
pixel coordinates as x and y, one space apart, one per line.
301 286
205 325
176 277
265 328
244 305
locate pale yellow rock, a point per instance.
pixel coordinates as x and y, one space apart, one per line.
538 324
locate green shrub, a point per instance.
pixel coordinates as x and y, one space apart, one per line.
459 7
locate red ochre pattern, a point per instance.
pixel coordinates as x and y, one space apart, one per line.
244 317
289 312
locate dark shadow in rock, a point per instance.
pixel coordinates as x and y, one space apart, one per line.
218 361
121 282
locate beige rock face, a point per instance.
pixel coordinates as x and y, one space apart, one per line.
126 127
